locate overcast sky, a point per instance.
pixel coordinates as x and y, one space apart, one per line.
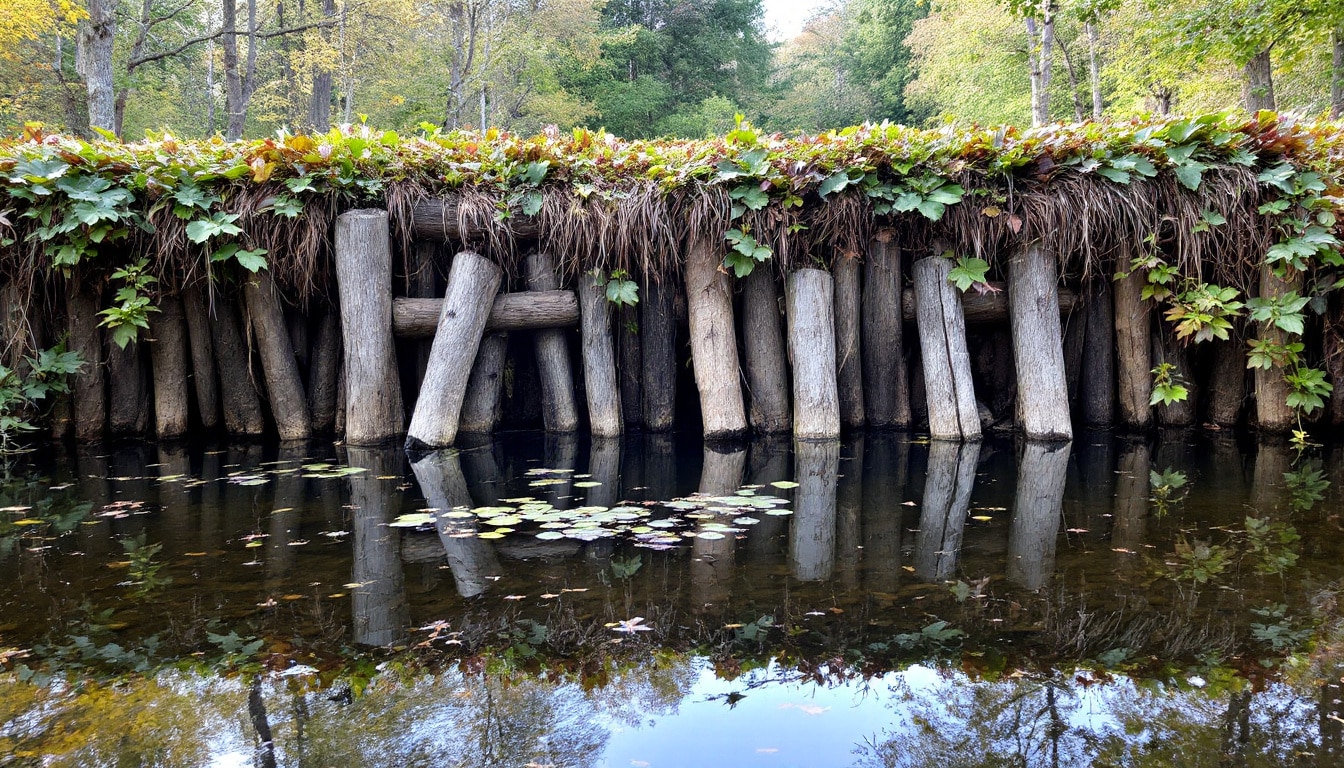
784 18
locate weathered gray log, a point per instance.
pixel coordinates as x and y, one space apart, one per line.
886 382
1038 348
950 391
629 366
764 355
196 310
1227 383
1133 358
421 284
658 347
709 306
599 358
558 410
378 610
986 308
1272 413
363 256
168 357
1098 384
128 396
1041 473
284 385
1167 349
472 284
341 395
947 501
417 318
436 219
1073 330
325 374
89 386
809 306
848 354
812 534
481 409
238 392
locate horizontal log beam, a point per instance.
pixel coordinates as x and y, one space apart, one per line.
417 318
985 308
433 219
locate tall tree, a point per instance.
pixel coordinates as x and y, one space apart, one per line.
97 39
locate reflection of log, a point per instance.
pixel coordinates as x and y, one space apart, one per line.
561 452
947 500
886 384
1269 491
363 255
378 604
286 510
768 463
712 560
950 391
848 358
709 307
884 487
660 466
524 311
1133 360
558 411
284 385
812 538
471 559
604 465
1041 473
763 351
168 361
1038 351
1132 489
848 509
658 342
599 358
810 300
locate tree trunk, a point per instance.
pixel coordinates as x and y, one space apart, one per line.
1271 391
363 256
319 102
168 355
238 393
1337 73
1094 68
481 410
1257 87
472 284
949 388
1038 345
1227 383
203 379
658 341
89 386
1098 383
810 308
558 410
599 358
97 37
763 348
325 372
886 382
848 354
1134 362
812 534
709 304
289 404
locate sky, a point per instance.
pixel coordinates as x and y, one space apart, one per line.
784 18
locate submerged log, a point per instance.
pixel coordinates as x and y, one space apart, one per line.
559 412
1272 413
810 298
325 374
89 386
709 305
764 355
599 358
1098 384
658 347
238 392
1038 347
417 318
848 356
472 284
946 362
363 256
886 382
1133 358
196 310
168 357
482 408
284 385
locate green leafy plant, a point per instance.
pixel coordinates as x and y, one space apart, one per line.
1168 386
970 272
745 254
1167 488
130 312
142 568
23 394
621 290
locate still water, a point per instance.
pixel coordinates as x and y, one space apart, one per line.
543 601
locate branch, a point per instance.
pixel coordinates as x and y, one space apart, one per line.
217 33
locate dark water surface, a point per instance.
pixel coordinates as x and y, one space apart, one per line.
540 601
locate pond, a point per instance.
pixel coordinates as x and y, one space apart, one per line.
553 601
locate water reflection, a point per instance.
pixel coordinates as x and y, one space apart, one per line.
947 499
378 596
1041 474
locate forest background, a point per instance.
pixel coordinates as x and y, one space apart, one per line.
645 68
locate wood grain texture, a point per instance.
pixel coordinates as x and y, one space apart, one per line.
168 359
810 308
1133 357
949 389
764 354
848 346
599 358
204 377
284 384
886 380
709 306
363 255
559 412
1038 345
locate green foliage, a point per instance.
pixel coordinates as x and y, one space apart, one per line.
745 254
1201 561
1168 385
143 569
1273 545
130 310
970 272
22 395
621 290
1168 488
1204 312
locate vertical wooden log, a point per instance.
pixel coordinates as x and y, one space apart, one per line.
658 341
709 307
1038 348
848 353
472 285
1041 473
128 398
196 311
238 393
89 386
326 370
599 358
809 299
1227 383
886 382
950 391
763 352
558 410
423 284
1272 413
1166 349
168 357
1098 384
363 256
629 366
1134 362
284 385
481 410
812 534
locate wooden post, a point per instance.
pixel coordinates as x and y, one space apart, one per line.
1098 384
950 392
168 357
284 385
326 370
363 255
89 386
558 410
238 393
1272 413
658 342
1038 346
809 299
1134 362
629 366
709 306
196 310
763 349
1227 382
421 284
481 409
886 382
1166 349
472 284
599 358
128 400
848 355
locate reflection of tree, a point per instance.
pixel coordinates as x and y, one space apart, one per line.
712 560
884 486
947 499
